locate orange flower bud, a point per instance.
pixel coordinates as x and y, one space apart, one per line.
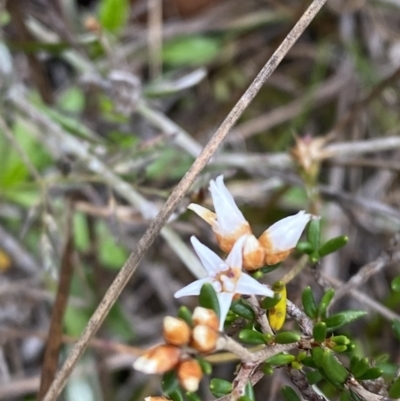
204 338
253 254
176 331
156 398
189 375
158 359
205 317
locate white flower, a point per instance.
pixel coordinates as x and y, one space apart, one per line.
228 222
226 277
283 236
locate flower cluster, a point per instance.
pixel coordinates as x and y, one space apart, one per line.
229 224
181 341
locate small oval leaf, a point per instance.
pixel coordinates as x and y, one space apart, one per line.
281 359
313 233
208 298
289 394
309 305
243 309
325 301
340 319
319 332
251 337
287 337
333 245
220 387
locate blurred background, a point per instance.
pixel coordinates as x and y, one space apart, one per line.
105 104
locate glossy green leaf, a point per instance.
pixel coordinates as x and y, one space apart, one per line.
281 359
267 369
251 337
314 377
113 14
192 397
333 245
340 319
305 247
244 398
289 394
176 395
269 269
319 331
333 369
185 314
345 395
249 391
287 337
339 348
169 382
317 354
208 298
243 309
309 305
206 366
371 374
394 390
396 284
358 366
309 361
220 387
313 233
340 340
325 301
269 303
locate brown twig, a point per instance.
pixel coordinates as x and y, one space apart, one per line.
148 238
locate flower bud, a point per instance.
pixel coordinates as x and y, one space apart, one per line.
204 338
176 331
158 359
150 398
205 317
253 254
189 375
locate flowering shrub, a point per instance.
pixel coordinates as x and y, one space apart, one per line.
254 312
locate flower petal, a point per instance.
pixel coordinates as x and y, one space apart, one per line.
224 300
204 213
210 260
229 217
247 285
285 233
192 288
235 256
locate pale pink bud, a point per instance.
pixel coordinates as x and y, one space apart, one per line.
158 360
176 331
205 317
204 338
189 374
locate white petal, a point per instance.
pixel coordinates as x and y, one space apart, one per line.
285 233
192 288
209 259
235 256
224 300
229 217
247 285
229 285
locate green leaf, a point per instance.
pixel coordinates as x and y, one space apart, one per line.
317 354
309 362
333 245
396 284
334 370
191 51
269 303
325 301
339 348
243 309
208 298
113 14
313 233
340 340
281 359
319 331
269 269
309 305
249 391
169 382
396 328
185 314
287 337
192 397
289 394
371 374
176 395
340 319
220 387
358 366
305 247
314 377
206 366
394 390
251 337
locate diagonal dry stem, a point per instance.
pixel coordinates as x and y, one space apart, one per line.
149 236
